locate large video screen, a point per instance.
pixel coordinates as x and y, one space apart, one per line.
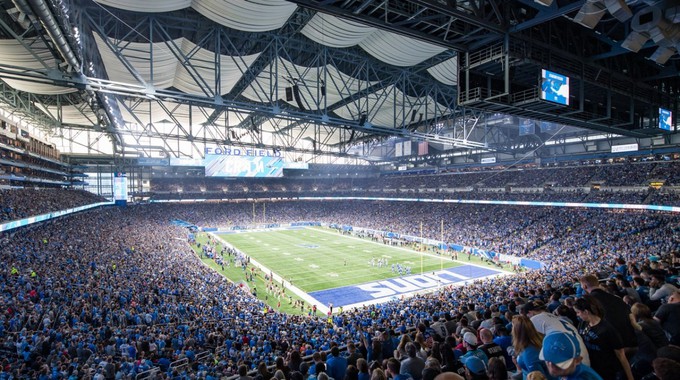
243 166
120 191
554 87
665 119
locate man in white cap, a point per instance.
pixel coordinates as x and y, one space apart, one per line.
471 345
562 356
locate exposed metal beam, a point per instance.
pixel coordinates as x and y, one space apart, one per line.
467 18
337 10
547 14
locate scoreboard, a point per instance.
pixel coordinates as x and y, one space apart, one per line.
120 193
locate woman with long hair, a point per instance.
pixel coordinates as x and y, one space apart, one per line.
527 343
263 371
294 360
375 353
378 374
650 326
449 362
400 351
497 369
423 346
605 346
436 352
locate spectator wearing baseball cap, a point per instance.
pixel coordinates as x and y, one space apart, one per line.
475 368
562 355
472 346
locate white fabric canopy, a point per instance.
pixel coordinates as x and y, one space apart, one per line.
181 64
70 114
139 55
152 112
168 71
381 106
335 32
246 15
203 60
270 87
386 46
399 50
446 72
13 53
250 16
149 6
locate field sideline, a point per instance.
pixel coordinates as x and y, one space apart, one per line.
323 262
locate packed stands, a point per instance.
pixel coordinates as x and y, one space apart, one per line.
631 182
117 292
22 203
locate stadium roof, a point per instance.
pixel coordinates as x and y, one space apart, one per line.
168 77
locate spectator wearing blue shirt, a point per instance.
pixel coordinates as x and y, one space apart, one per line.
336 365
393 369
527 343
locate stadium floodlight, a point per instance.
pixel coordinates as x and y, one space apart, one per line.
662 54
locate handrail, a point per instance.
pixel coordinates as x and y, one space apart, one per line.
202 356
180 363
149 374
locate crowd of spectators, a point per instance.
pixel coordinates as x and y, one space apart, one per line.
605 183
114 292
609 196
668 198
515 230
22 203
641 196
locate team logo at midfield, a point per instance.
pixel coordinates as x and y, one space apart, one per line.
310 246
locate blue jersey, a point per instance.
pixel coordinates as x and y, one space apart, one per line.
582 372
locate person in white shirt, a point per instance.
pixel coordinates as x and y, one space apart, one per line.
547 323
659 289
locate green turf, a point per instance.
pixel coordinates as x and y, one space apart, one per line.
236 274
317 259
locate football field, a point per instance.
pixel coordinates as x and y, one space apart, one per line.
327 267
